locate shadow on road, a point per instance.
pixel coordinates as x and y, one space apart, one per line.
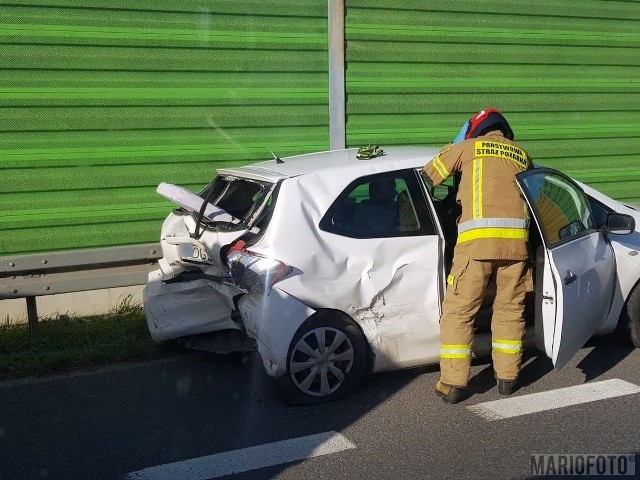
484 380
606 354
536 366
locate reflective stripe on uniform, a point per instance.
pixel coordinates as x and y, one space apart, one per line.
477 188
493 223
506 346
440 168
455 351
451 279
511 233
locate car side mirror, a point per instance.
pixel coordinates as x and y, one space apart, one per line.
620 224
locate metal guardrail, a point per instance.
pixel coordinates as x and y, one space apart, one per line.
50 273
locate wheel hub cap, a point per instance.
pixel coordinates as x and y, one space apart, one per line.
320 361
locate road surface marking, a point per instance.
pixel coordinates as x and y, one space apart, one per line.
246 459
563 397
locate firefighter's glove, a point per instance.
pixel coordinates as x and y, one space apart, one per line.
370 151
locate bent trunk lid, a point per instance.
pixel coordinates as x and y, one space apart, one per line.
195 234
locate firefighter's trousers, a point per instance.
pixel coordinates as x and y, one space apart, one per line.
465 291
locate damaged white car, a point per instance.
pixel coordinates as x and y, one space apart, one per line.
337 266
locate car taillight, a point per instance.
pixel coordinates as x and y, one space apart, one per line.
253 272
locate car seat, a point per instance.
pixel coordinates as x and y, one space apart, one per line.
380 210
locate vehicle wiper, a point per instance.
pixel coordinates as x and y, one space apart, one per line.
197 233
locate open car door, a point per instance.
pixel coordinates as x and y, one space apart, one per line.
579 264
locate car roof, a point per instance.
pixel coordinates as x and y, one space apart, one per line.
393 158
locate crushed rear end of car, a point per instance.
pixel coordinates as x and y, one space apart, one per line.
192 294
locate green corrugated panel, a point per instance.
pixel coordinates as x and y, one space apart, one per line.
102 100
566 74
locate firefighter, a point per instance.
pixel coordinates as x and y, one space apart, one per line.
492 240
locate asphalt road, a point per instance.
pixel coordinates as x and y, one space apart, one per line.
108 423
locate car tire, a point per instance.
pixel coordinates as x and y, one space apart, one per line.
629 324
327 360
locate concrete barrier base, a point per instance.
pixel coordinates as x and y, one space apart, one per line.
93 302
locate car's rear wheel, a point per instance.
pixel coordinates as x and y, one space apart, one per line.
327 360
629 324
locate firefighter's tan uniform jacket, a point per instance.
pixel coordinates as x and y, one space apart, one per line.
492 239
495 221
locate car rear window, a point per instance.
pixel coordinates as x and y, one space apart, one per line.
240 197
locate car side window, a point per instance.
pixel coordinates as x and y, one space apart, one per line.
378 206
562 209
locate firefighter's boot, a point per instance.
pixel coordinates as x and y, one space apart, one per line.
448 393
506 387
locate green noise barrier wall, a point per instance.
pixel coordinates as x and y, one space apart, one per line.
565 73
101 100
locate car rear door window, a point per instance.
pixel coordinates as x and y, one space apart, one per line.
375 206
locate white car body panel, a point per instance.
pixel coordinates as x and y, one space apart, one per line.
627 254
579 271
580 311
393 296
550 307
272 319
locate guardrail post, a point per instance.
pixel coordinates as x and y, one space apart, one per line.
32 315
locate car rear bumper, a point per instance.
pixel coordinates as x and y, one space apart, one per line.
188 307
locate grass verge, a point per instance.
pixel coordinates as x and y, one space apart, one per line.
67 343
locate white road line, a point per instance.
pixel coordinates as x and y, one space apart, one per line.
563 397
246 459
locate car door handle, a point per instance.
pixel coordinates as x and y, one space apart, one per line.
570 278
